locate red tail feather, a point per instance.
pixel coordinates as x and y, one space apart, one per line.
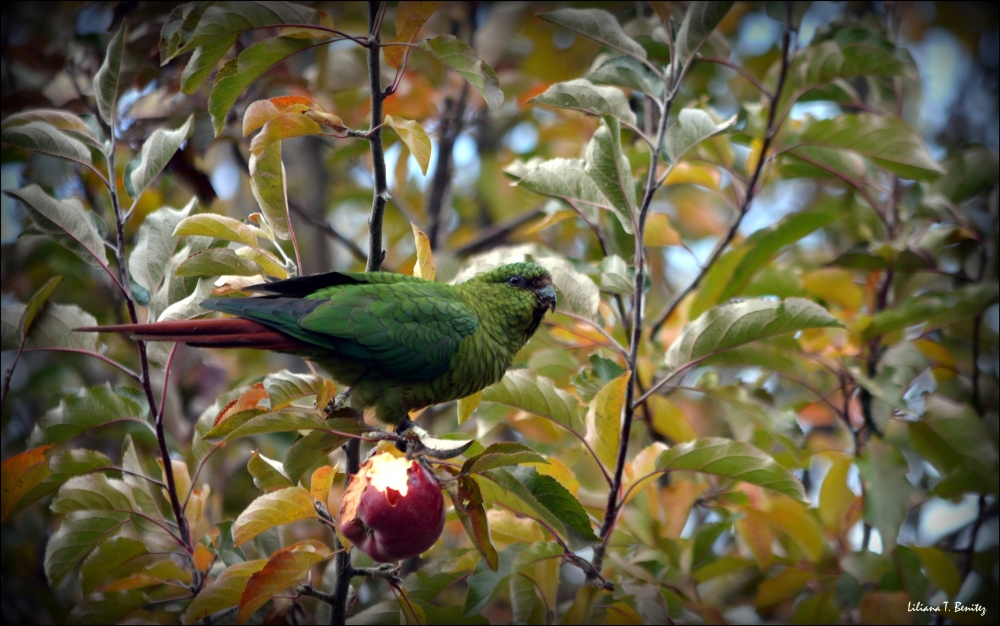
215 333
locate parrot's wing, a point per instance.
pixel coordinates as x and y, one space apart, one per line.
409 330
315 285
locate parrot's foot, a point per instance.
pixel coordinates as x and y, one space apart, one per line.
337 402
401 428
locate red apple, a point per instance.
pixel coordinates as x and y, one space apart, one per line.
392 509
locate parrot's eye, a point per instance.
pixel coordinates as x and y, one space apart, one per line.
514 281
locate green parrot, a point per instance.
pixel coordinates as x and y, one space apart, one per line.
397 342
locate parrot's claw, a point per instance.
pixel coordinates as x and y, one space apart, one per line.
337 402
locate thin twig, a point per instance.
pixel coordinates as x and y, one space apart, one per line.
751 186
497 233
330 232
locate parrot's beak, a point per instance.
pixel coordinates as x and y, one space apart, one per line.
546 297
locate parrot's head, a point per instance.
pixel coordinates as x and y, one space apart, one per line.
526 291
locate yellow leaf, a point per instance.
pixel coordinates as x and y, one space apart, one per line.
284 126
410 16
881 607
792 518
550 220
468 405
940 568
836 286
330 120
621 613
835 496
424 267
273 509
757 534
756 146
669 420
560 471
641 467
704 175
263 111
321 482
507 528
266 260
415 137
182 478
784 585
659 232
675 504
604 420
283 569
224 592
21 473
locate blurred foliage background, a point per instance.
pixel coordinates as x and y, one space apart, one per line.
468 207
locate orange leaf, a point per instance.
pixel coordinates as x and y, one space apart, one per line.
250 399
410 16
675 503
659 232
322 480
202 557
20 474
283 569
263 111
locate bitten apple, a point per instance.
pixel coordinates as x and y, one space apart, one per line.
392 509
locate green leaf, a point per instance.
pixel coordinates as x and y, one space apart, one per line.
967 173
732 459
90 409
203 61
540 496
204 24
224 592
823 163
604 420
65 221
156 152
37 302
239 73
525 390
268 474
77 129
284 387
47 139
468 502
734 270
273 509
817 609
691 128
107 81
278 422
52 328
218 226
62 467
91 492
267 181
825 62
699 21
108 608
501 455
485 583
309 450
415 137
108 557
564 178
731 325
600 26
586 97
887 142
218 262
608 167
77 536
616 275
884 470
156 244
935 310
226 547
457 55
959 445
629 73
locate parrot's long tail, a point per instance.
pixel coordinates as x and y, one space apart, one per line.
210 333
